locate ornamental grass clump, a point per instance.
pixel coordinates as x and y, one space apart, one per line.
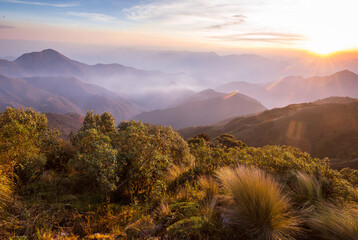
257 208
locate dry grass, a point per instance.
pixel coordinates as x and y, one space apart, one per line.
334 222
211 195
259 209
174 172
307 190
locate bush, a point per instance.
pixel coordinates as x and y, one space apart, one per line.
5 192
96 159
189 228
258 208
145 153
22 133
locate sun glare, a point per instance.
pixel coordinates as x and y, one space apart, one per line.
323 48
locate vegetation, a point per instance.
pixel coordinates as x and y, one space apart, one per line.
139 181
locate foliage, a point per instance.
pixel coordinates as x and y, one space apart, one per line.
187 228
229 141
96 159
22 133
144 154
178 190
6 190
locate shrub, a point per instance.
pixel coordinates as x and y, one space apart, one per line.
259 209
21 137
96 159
5 191
189 228
144 154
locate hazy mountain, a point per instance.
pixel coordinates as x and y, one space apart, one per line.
295 89
112 76
19 93
206 107
322 129
62 95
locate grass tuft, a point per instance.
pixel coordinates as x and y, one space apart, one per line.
258 209
334 222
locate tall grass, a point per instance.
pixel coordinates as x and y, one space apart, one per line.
259 209
211 195
334 222
306 189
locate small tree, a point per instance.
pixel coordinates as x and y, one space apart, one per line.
144 154
96 159
22 134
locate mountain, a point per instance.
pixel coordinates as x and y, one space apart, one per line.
322 129
63 95
19 93
206 107
65 123
296 89
116 77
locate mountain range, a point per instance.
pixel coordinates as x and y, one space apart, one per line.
206 107
325 128
116 77
62 95
296 89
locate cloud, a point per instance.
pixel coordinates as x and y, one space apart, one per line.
239 19
61 5
193 14
6 26
268 37
98 17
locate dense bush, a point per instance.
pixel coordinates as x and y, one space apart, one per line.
144 154
139 181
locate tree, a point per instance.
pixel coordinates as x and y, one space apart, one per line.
229 141
96 159
22 133
144 154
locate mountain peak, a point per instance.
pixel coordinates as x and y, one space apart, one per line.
47 54
344 72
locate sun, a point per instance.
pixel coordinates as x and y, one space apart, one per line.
323 48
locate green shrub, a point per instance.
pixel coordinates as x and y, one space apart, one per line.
189 228
145 153
5 192
96 159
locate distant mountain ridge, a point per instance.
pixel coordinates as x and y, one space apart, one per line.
296 89
206 107
62 95
326 128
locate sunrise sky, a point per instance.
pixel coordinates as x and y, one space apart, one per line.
321 26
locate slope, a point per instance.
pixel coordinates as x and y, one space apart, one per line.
324 130
204 108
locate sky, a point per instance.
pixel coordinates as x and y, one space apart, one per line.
321 26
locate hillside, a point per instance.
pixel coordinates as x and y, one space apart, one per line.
62 95
324 130
65 123
296 89
204 108
116 77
